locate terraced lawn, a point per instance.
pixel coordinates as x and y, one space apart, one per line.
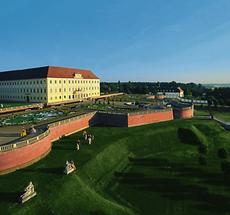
222 115
151 169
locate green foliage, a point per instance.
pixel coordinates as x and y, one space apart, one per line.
225 167
222 153
202 160
187 136
202 149
218 96
125 171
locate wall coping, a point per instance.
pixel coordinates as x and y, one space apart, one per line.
150 111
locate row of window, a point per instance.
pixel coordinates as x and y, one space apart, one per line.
23 97
73 89
73 96
7 83
14 83
74 81
31 98
12 90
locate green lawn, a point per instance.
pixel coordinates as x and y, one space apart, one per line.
132 98
201 112
142 170
222 115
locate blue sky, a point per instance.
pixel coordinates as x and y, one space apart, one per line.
136 40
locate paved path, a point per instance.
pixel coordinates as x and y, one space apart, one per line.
226 125
12 134
7 135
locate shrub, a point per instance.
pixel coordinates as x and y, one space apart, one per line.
97 212
202 160
222 153
187 136
203 149
225 167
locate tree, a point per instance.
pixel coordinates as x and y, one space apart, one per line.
225 167
222 153
203 149
202 160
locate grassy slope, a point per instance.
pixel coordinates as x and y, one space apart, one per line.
223 115
162 176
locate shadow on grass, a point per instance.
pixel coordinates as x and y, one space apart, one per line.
97 212
178 188
148 161
56 171
9 196
63 147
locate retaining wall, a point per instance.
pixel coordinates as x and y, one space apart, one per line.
25 155
112 119
183 113
149 117
21 154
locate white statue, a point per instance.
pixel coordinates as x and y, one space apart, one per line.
28 193
69 167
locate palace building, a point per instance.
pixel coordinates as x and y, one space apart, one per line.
170 93
48 85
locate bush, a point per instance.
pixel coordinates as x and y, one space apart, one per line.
97 212
202 160
202 149
187 136
222 153
225 167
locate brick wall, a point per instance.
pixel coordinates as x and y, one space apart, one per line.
183 113
20 157
24 156
147 118
16 158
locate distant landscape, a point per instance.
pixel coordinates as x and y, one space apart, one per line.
216 85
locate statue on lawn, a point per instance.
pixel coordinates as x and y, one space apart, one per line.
69 167
28 193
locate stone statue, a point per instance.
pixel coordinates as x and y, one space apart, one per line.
90 140
69 167
28 193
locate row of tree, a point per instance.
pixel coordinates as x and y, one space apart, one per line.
217 96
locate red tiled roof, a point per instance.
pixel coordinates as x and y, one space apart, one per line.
44 72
